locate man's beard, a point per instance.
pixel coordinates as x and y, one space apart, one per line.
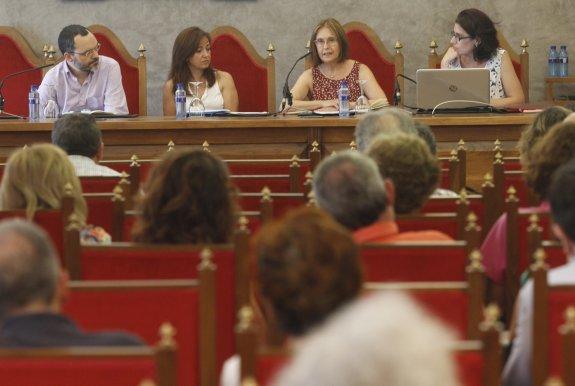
86 67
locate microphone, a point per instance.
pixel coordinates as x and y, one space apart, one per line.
397 90
287 95
2 80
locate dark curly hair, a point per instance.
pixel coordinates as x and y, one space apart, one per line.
408 162
541 124
478 25
556 148
187 200
307 267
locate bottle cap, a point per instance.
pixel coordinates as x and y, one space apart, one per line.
179 86
343 83
553 47
34 87
563 47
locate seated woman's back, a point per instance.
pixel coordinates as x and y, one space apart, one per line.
187 199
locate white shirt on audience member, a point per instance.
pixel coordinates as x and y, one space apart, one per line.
517 371
87 167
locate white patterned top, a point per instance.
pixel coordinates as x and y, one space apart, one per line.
496 90
86 167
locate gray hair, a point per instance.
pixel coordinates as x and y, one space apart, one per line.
29 267
388 121
348 186
382 340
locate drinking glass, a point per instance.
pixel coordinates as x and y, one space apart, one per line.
196 108
362 103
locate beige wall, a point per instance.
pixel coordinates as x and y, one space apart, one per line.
287 24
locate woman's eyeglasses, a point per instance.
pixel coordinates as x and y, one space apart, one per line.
458 37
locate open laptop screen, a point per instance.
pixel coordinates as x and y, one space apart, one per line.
436 88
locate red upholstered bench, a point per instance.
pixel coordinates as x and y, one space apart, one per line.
140 306
86 366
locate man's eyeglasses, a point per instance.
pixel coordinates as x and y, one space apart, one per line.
89 52
458 37
329 42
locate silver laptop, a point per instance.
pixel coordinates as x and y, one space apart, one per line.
466 87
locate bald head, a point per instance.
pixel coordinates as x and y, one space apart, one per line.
388 121
29 267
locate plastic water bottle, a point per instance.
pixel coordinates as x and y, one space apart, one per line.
180 97
343 96
552 61
563 62
33 103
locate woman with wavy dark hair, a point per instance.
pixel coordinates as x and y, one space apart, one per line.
187 199
474 44
192 61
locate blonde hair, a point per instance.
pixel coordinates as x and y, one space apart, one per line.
35 178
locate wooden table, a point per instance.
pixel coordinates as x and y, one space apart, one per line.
273 137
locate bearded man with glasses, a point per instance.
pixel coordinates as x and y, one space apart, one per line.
84 80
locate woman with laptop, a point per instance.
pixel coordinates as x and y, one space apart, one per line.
474 44
318 86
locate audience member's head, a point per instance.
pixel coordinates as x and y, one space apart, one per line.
562 200
307 268
382 340
38 177
556 148
348 186
541 124
187 199
78 134
408 162
388 121
29 268
424 132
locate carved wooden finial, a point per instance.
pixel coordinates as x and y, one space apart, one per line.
51 52
498 158
249 381
124 177
134 158
539 256
524 45
453 155
497 143
462 197
398 46
353 146
25 147
206 260
243 223
491 315
118 193
45 50
511 194
147 382
314 146
308 178
569 325
487 181
308 46
142 50
461 145
245 318
294 161
554 381
171 145
472 222
266 194
271 49
74 223
475 262
206 146
333 152
311 199
433 46
533 223
167 333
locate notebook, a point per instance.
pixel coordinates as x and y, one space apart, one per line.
468 86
